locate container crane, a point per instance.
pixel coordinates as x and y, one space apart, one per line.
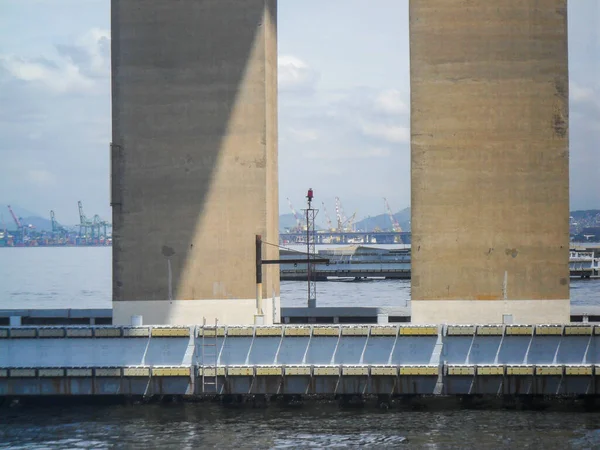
84 223
395 225
299 226
98 225
344 223
20 227
56 227
338 214
327 218
15 218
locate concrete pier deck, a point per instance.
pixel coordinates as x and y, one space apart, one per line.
326 315
330 360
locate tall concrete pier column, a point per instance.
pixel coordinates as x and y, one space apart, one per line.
490 187
194 159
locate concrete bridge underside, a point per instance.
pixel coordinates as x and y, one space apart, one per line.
194 160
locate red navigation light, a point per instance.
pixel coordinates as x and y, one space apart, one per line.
309 196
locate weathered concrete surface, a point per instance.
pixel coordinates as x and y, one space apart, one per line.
194 157
490 180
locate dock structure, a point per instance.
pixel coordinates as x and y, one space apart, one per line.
328 360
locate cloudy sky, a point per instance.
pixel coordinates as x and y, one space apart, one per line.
344 90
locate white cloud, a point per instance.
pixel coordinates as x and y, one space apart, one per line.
391 102
295 74
579 93
394 134
58 78
303 135
348 153
90 52
73 70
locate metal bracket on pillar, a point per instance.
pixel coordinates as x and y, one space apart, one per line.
260 262
259 317
116 174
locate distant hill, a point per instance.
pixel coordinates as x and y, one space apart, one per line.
39 223
383 221
583 219
286 221
27 218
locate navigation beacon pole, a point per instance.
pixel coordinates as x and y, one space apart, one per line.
311 214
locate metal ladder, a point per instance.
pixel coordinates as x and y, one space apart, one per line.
210 357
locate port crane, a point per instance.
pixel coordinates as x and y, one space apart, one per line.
343 223
299 226
395 225
56 227
99 224
327 218
20 227
84 222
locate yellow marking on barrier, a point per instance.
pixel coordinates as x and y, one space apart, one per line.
269 371
461 370
51 332
326 331
597 329
489 330
3 333
384 371
519 330
549 370
520 370
79 332
47 373
79 372
597 370
108 372
296 331
171 332
578 330
240 371
136 371
211 332
269 331
384 331
211 371
548 330
170 371
22 332
355 331
355 371
136 332
109 332
579 370
297 370
240 331
418 331
419 370
460 330
327 370
490 370
21 373
3 373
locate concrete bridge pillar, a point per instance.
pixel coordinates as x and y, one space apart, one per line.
194 159
490 153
